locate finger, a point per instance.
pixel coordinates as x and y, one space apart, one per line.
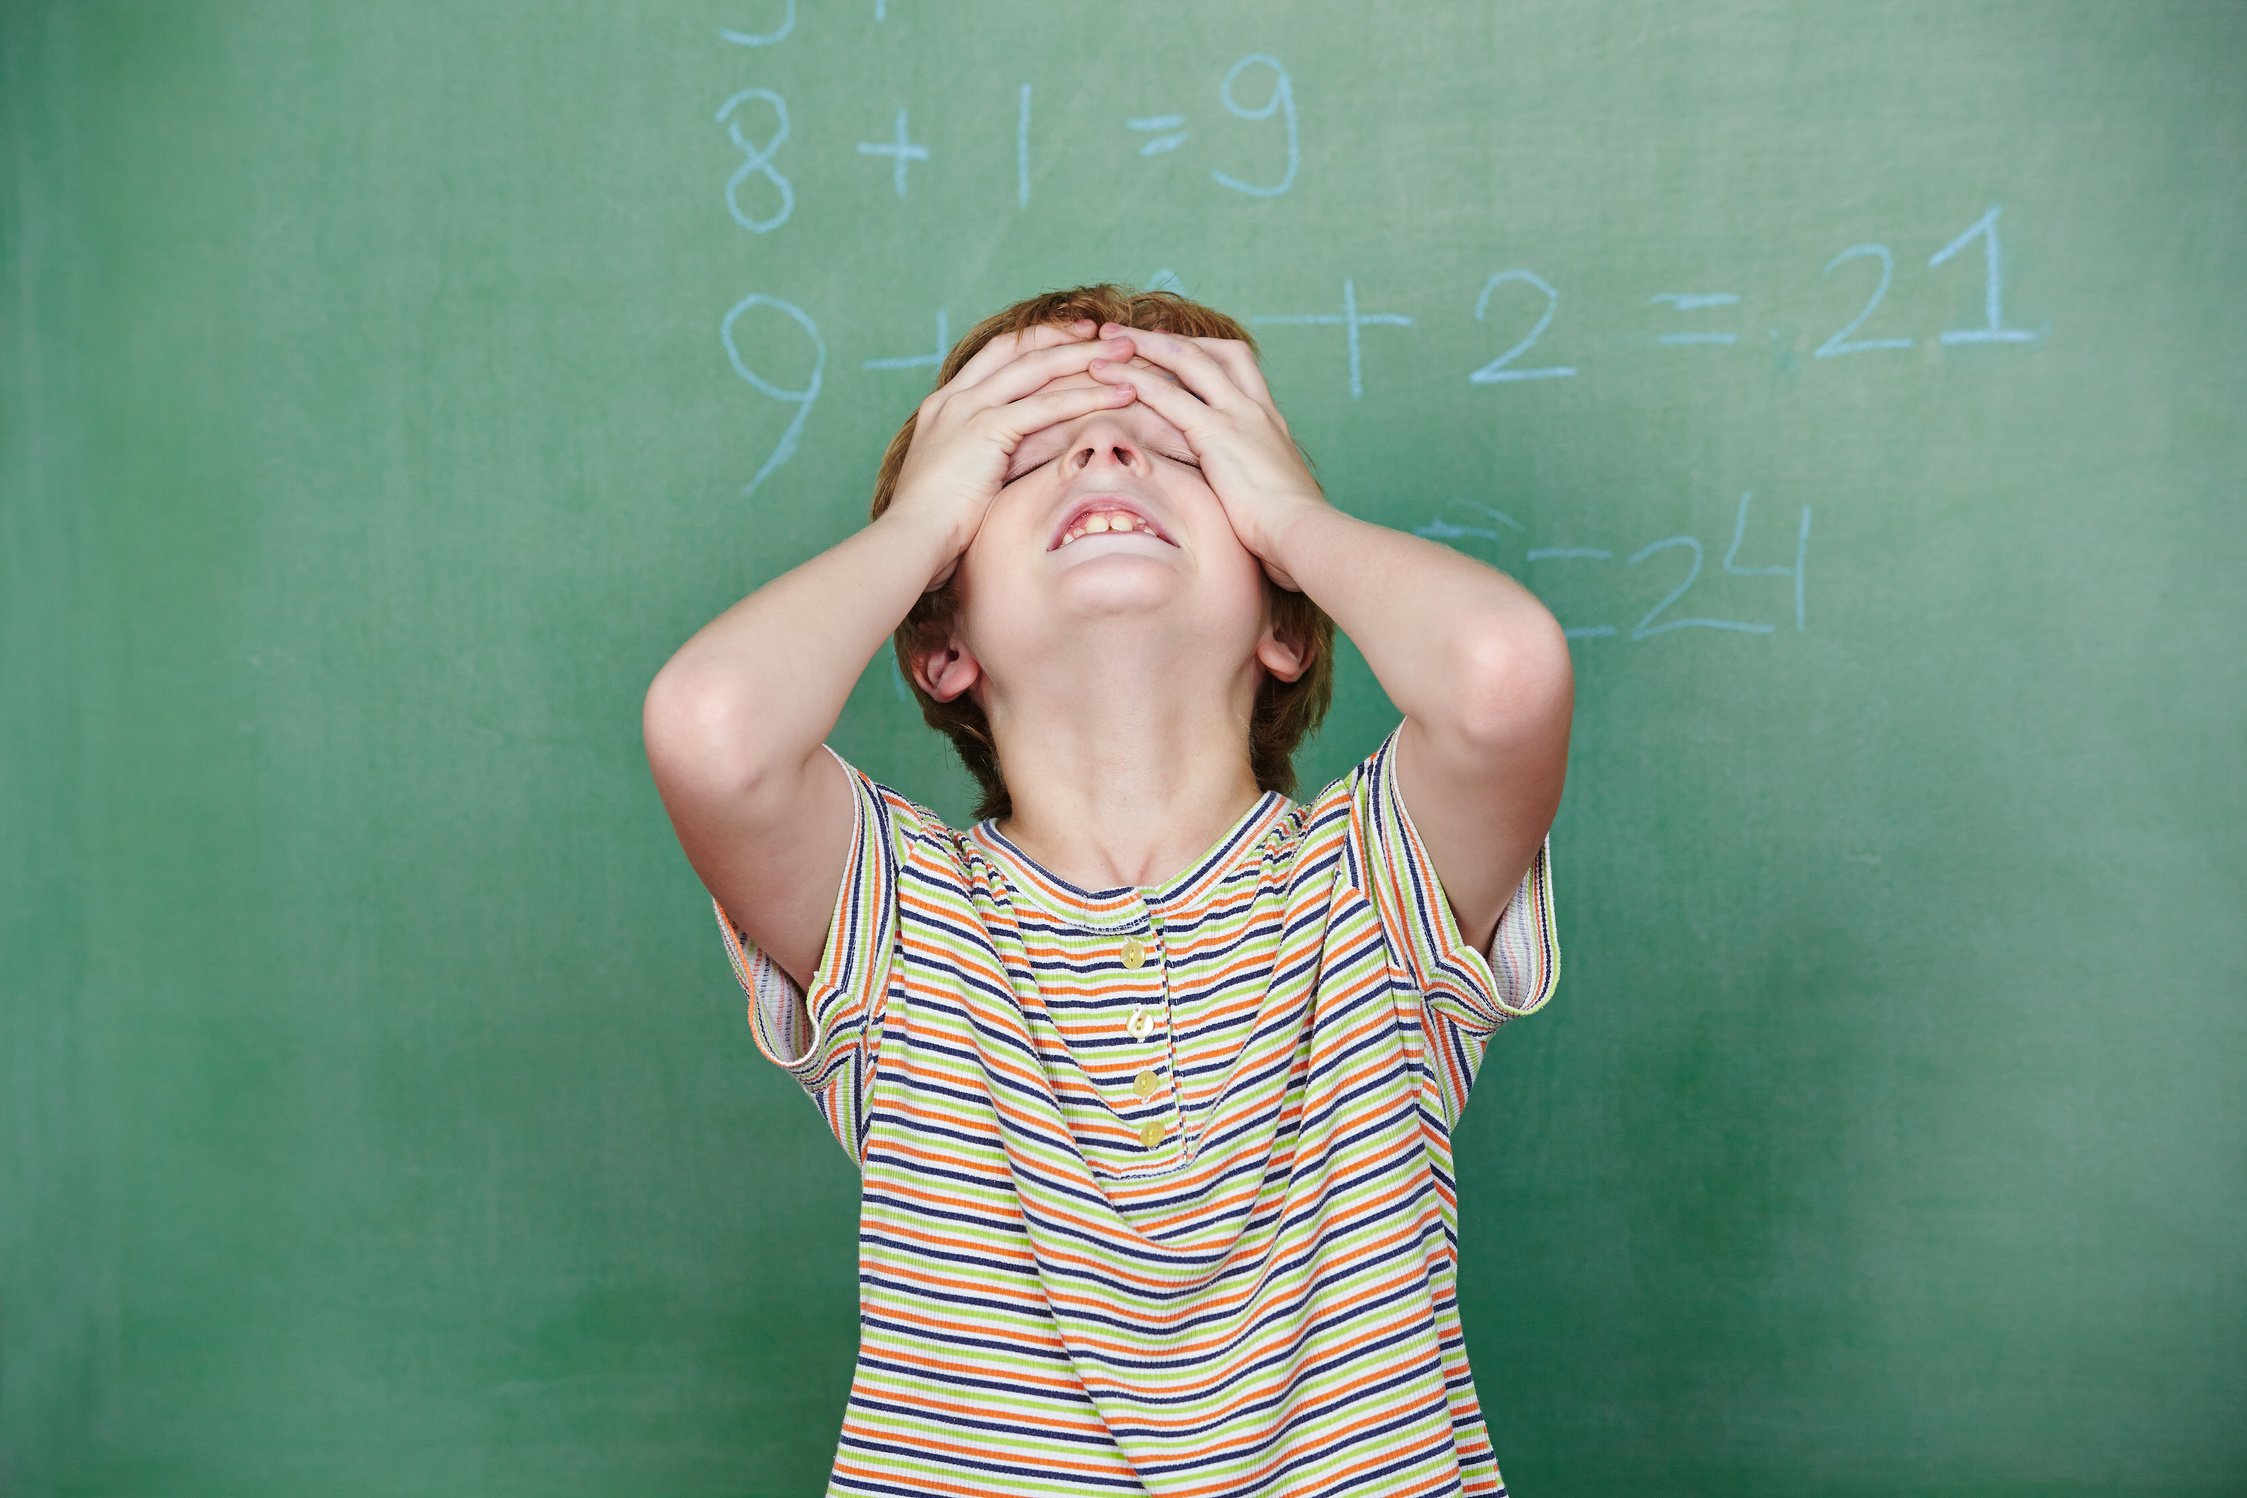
1190 362
1034 413
1026 373
1166 397
1008 346
1134 361
1240 364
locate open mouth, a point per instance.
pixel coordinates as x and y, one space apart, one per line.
1139 534
1107 515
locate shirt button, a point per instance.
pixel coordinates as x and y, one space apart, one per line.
1144 1083
1134 952
1150 1132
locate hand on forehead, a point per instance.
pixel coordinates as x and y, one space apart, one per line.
1146 415
1084 377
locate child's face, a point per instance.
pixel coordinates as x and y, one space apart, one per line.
1197 600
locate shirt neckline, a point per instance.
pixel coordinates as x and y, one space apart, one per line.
1121 902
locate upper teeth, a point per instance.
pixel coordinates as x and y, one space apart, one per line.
1099 521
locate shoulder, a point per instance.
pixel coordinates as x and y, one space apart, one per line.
1323 833
906 820
927 849
1310 841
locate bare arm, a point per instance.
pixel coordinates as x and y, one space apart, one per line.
735 719
1476 664
1447 636
734 723
1480 670
760 687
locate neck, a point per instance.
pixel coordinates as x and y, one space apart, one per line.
1125 782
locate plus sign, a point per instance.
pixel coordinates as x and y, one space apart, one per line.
902 149
933 360
1351 320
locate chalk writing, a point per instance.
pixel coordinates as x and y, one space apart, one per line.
800 399
1171 138
1688 301
900 148
1657 588
1651 622
765 38
1349 319
1498 370
1841 343
1281 102
757 161
1992 331
931 360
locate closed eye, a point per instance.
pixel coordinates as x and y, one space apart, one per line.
1185 458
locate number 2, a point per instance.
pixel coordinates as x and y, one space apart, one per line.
1496 371
1839 344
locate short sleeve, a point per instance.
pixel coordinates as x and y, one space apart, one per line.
1466 992
835 1059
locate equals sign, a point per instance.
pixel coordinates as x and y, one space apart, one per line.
1160 143
1686 301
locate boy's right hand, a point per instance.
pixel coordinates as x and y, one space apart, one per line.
967 430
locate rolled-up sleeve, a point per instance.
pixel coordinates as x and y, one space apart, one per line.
829 1037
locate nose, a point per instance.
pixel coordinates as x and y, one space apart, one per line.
1104 440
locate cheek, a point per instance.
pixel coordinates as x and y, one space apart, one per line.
1013 527
1217 544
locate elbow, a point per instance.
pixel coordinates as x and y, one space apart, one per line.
693 730
1519 678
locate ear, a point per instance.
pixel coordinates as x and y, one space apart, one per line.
946 671
1281 656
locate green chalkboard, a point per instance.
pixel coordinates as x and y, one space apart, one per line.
390 388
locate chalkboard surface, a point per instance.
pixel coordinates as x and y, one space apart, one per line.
389 389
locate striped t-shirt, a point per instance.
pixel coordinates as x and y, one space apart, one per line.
1156 1190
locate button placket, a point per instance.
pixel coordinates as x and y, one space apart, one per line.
1136 952
1109 1085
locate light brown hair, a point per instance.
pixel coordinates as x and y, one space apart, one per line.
1286 712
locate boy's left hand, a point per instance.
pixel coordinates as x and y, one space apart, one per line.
1221 403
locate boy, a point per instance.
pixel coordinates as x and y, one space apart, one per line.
1149 1074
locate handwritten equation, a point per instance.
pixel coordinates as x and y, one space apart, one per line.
1352 320
1520 307
1538 305
1486 524
761 196
1681 573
